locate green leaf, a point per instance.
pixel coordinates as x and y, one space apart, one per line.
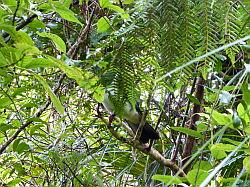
221 119
15 144
3 61
127 2
244 114
23 37
10 30
5 127
14 182
53 97
4 102
193 99
19 168
246 164
167 178
99 94
45 7
22 147
236 120
229 88
37 24
59 43
116 8
236 143
201 127
197 176
124 16
27 49
204 165
37 63
219 150
64 12
72 72
104 3
103 24
189 132
246 93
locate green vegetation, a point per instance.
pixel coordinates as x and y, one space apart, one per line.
188 61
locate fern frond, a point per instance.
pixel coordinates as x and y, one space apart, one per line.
232 27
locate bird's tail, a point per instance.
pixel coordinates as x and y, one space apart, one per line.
148 132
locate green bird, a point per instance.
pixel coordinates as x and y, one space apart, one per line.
132 116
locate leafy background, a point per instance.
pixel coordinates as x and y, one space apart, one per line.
187 60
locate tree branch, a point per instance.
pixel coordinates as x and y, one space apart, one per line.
190 141
22 24
37 114
71 53
153 153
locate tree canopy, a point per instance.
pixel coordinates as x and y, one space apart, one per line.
187 62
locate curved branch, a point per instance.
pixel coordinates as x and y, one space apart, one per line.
153 153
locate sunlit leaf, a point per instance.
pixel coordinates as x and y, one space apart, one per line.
167 178
189 132
65 12
103 24
204 165
4 102
99 94
37 63
104 3
219 150
221 118
116 8
59 43
197 176
246 164
59 107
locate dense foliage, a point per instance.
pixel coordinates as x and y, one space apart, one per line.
188 61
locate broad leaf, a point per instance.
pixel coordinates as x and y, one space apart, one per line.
116 8
193 99
59 107
22 147
37 63
59 43
197 176
103 24
219 150
99 94
189 132
104 3
167 178
64 12
246 164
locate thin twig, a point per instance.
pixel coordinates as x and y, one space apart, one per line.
178 141
71 53
37 114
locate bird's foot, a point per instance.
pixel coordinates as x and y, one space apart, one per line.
111 118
